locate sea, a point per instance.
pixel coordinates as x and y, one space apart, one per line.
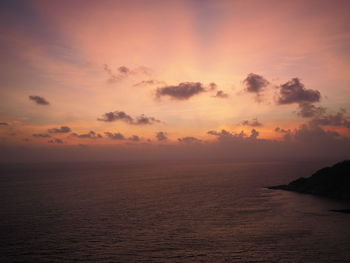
167 211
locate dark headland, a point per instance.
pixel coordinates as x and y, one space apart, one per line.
332 182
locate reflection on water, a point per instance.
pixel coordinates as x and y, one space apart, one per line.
166 212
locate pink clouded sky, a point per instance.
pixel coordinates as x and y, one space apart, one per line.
144 68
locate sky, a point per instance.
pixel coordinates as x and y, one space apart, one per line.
120 80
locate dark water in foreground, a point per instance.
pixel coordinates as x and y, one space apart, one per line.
149 212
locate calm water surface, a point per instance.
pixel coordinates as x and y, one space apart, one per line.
166 212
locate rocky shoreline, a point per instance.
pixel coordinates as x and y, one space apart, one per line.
332 182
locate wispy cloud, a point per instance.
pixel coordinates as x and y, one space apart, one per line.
221 94
281 130
134 138
189 140
41 135
253 123
89 135
124 72
56 141
62 129
150 82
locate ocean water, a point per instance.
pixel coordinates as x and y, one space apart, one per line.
166 212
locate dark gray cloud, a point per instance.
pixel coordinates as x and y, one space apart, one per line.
161 136
224 135
57 141
115 136
27 140
39 100
280 130
41 135
313 133
134 138
123 72
221 94
320 117
338 119
308 110
287 133
89 135
62 129
143 120
254 134
4 124
253 123
255 83
122 116
189 140
294 91
183 91
116 116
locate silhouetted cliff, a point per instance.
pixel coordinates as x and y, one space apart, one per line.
333 182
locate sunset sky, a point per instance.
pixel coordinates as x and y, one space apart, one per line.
172 76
